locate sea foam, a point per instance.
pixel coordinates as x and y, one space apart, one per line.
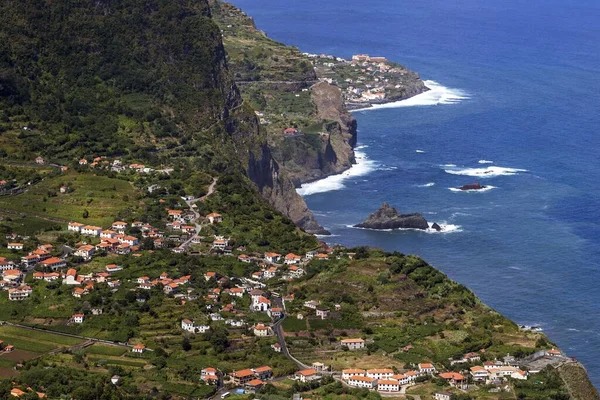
446 228
362 167
429 184
437 95
485 162
488 172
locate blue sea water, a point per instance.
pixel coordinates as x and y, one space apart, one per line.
531 72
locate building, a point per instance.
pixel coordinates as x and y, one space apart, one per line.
214 218
20 293
71 277
210 376
292 258
276 347
276 312
264 372
74 226
110 268
15 246
54 263
91 230
479 373
348 373
388 385
322 312
138 349
442 396
454 379
253 385
119 226
190 326
383 373
272 257
307 375
426 368
353 344
86 251
12 274
261 304
362 382
261 330
78 318
243 376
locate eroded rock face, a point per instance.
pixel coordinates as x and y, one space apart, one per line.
387 217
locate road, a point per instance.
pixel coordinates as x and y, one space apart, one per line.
197 216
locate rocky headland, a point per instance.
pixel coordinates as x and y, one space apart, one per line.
387 217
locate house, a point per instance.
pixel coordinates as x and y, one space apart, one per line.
119 226
261 304
126 239
115 379
236 291
242 376
20 293
362 381
71 277
382 373
86 251
74 226
15 246
276 347
454 379
296 271
138 348
322 257
426 368
388 385
48 277
188 325
108 234
39 160
479 373
54 263
258 275
270 272
210 275
307 375
442 396
472 357
253 385
123 249
175 215
290 131
292 258
114 284
12 274
78 292
550 353
264 372
214 218
244 258
78 318
5 264
91 230
210 376
311 304
272 257
276 312
322 312
261 330
110 268
353 344
220 244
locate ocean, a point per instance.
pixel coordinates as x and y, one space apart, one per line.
515 106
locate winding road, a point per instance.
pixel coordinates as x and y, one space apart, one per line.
197 216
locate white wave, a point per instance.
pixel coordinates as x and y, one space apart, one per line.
488 172
485 162
362 146
362 167
419 151
325 236
573 329
448 165
485 189
430 184
446 228
437 95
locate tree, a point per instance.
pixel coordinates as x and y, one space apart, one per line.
86 213
185 344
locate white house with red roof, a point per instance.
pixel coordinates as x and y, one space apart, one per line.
78 318
292 258
214 218
353 344
272 257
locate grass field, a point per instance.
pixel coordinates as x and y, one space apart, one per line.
34 341
101 196
105 350
113 360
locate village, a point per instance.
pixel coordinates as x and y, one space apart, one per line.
229 299
366 80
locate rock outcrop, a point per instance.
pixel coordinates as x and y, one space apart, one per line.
387 217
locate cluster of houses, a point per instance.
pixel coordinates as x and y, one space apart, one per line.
111 240
170 285
115 166
252 379
19 391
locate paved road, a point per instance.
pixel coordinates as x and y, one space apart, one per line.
197 216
